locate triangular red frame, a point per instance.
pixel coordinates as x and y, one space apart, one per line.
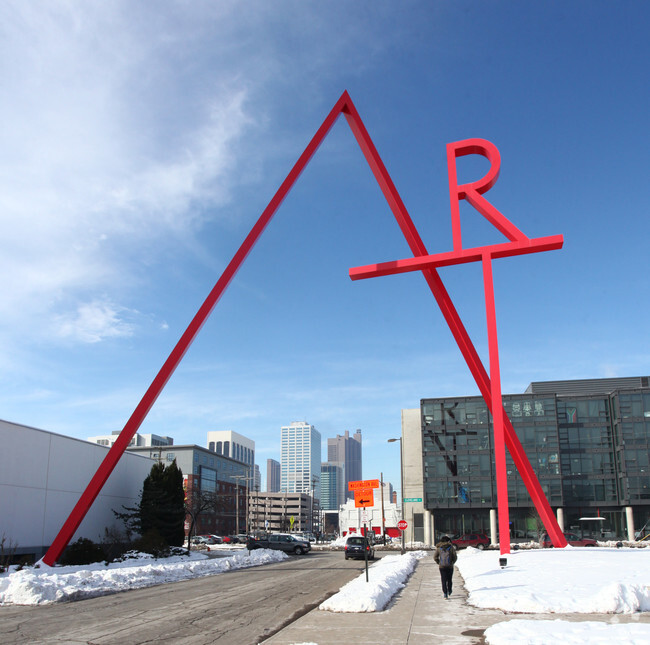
343 106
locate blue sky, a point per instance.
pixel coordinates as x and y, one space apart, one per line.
141 141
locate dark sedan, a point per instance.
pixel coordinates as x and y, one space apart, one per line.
571 538
357 547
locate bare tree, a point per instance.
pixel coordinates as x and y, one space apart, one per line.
7 551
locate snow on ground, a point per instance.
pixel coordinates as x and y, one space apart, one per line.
385 578
579 580
543 632
45 585
571 580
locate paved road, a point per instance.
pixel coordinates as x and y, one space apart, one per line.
240 607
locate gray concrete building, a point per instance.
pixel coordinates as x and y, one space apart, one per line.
272 476
283 512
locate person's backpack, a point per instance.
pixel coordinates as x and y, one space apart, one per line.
445 557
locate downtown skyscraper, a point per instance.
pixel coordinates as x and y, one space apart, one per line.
346 451
272 476
300 461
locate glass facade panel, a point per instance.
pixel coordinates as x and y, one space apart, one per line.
588 451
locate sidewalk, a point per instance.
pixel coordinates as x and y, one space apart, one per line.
417 615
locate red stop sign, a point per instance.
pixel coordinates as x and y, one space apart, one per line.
402 525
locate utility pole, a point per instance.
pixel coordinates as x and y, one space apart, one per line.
248 479
237 478
383 518
311 518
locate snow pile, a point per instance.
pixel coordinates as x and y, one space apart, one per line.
566 580
385 578
543 632
54 584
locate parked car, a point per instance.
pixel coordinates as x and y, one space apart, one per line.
280 542
477 540
199 539
357 546
571 538
217 539
204 539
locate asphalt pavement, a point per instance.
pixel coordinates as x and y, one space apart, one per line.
418 614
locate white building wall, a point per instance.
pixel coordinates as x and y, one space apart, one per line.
42 476
350 518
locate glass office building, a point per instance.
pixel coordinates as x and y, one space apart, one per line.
588 442
301 459
332 486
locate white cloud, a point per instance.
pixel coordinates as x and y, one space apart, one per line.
106 144
93 322
124 127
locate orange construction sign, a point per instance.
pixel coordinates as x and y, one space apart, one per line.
363 484
364 498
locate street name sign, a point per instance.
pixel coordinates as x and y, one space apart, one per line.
363 484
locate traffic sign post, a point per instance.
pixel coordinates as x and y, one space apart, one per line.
366 543
402 525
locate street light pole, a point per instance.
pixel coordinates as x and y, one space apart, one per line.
401 474
383 517
237 478
314 479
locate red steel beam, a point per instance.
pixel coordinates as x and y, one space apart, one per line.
135 421
454 322
343 105
452 258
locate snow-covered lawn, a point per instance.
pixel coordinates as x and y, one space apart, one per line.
570 580
579 580
547 632
45 585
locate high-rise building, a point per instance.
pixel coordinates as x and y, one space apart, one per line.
272 476
257 479
332 493
233 445
301 459
346 450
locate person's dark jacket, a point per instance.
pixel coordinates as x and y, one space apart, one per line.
442 546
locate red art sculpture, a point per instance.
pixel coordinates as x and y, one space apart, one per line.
490 387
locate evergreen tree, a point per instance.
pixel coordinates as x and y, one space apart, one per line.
175 495
160 516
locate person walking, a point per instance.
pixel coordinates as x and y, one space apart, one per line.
445 556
